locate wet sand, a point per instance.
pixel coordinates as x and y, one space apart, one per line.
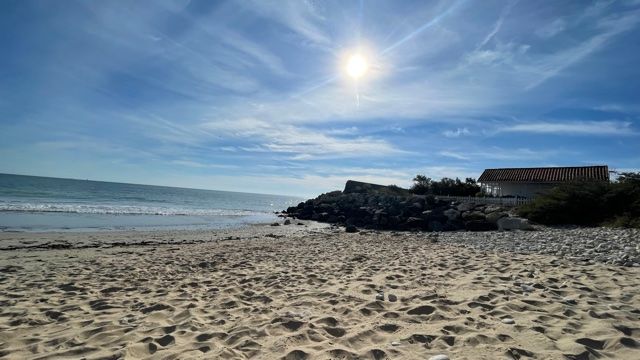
298 292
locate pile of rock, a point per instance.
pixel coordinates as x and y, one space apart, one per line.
387 211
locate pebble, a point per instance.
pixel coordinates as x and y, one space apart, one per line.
439 357
393 298
590 245
527 288
508 321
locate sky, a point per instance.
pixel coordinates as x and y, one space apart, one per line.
253 96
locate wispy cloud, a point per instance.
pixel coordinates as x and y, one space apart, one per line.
202 165
457 132
498 24
498 153
596 128
301 143
552 29
607 28
303 17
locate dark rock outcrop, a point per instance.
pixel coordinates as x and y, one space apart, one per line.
353 186
373 206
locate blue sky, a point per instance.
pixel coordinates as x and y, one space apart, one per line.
253 96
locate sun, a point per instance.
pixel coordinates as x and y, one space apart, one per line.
357 66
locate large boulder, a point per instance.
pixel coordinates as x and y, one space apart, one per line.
413 223
466 206
353 186
473 215
493 208
451 214
514 223
495 216
435 226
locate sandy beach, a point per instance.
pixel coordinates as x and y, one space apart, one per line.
295 292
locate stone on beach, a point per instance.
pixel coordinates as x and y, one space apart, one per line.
514 223
439 357
351 229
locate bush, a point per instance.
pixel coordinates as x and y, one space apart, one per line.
589 203
446 186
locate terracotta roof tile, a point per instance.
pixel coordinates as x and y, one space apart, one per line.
546 175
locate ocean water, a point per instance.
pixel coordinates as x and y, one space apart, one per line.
31 203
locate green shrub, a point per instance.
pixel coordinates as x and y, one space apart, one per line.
446 186
589 203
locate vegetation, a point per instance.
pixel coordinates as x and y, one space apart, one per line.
589 203
446 186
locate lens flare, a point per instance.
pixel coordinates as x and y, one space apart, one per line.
357 66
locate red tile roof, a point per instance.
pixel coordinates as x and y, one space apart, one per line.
545 175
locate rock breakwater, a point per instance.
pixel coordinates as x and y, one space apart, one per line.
387 211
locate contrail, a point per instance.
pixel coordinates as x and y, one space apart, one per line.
498 24
423 27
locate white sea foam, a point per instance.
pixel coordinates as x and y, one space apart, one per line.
119 209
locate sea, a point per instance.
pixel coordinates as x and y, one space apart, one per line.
33 203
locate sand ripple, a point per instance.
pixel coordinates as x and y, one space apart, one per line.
313 296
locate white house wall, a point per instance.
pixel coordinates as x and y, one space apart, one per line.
516 189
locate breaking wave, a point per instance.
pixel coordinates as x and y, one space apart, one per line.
121 209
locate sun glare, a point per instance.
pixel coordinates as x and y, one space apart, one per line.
357 66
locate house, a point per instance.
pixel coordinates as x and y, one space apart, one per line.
528 182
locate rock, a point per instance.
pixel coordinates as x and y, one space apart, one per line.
452 214
514 223
466 206
380 296
413 223
395 343
393 298
493 208
493 217
435 226
299 223
361 187
351 229
287 222
508 321
527 288
275 224
473 215
439 357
